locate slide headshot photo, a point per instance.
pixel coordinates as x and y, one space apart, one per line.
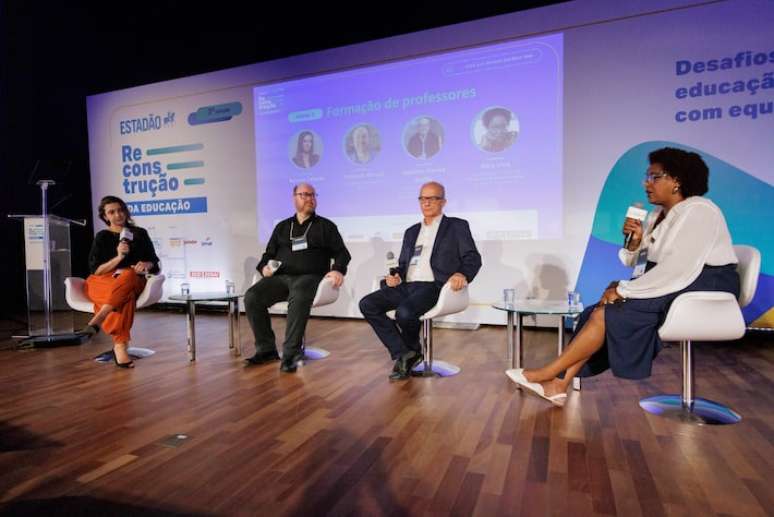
305 149
423 137
362 143
495 129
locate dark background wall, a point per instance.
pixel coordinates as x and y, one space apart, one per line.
54 55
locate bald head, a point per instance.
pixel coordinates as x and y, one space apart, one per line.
432 199
306 187
304 200
436 186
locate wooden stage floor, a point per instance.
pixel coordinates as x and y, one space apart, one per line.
337 438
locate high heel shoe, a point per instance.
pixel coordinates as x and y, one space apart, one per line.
129 364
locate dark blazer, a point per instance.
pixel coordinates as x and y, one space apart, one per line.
453 252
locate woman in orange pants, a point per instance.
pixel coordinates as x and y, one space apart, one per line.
119 258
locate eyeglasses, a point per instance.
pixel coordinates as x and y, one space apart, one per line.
651 177
429 199
306 195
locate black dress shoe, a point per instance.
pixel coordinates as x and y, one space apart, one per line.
290 364
398 376
262 358
412 358
402 369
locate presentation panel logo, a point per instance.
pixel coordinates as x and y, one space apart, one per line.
204 274
156 173
151 122
217 113
161 171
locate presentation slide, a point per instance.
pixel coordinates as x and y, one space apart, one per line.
486 122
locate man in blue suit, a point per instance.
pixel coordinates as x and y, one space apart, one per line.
437 250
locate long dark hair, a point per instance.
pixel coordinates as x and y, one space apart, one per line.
113 199
300 143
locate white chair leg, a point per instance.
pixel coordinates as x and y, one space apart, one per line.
685 407
430 367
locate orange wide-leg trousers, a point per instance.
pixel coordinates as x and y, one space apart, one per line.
121 292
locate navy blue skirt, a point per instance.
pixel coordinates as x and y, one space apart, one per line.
631 327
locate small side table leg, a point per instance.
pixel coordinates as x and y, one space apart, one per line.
230 326
560 346
191 331
234 338
238 331
518 355
509 329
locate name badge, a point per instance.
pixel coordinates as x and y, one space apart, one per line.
299 243
642 262
415 257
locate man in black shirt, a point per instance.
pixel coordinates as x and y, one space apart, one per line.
304 246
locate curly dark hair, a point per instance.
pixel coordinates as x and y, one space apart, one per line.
686 167
113 199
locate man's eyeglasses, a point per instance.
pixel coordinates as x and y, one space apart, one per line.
429 199
651 177
306 195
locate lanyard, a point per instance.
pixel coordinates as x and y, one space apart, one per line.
304 235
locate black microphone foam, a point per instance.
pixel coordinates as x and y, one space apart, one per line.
392 264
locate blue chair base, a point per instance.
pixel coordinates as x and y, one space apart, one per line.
701 411
439 369
313 353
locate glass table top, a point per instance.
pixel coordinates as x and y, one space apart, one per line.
212 296
538 307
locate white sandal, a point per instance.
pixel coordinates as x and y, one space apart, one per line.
517 376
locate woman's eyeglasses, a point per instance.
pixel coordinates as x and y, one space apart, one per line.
651 177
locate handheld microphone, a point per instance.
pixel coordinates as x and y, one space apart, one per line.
126 235
274 265
392 263
637 213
